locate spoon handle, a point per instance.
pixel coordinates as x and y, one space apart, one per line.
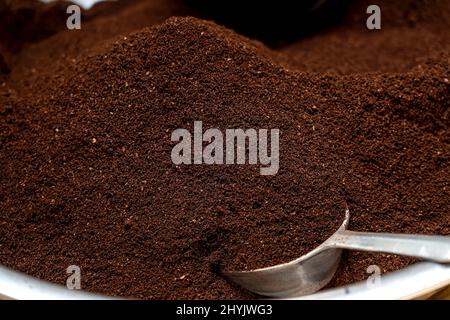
433 248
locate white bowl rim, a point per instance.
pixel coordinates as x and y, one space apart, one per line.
415 281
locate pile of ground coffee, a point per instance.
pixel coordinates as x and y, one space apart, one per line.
86 119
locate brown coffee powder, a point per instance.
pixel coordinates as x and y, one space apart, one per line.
87 179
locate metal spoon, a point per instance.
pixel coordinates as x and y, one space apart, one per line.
314 270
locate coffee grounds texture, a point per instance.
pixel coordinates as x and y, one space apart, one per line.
86 118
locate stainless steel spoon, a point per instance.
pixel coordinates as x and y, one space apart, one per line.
314 270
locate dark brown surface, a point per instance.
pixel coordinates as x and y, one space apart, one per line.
85 123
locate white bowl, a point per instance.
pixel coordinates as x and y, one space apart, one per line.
417 281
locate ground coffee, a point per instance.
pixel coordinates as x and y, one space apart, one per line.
86 121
